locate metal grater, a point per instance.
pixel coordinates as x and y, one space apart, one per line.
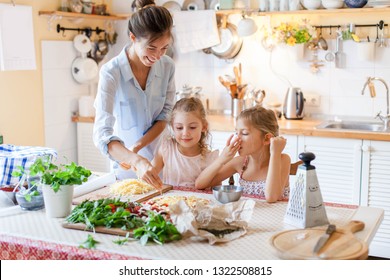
305 207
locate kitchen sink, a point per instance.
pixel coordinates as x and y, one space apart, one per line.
352 125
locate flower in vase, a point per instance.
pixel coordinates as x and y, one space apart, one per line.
293 33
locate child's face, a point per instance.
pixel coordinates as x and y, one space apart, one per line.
187 128
252 140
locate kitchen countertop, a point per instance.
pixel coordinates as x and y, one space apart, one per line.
306 126
32 235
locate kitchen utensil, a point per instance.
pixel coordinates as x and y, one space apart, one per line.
227 193
293 107
230 44
305 206
322 44
193 5
84 69
324 238
299 243
382 43
82 43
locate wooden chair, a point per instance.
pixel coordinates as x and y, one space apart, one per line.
294 167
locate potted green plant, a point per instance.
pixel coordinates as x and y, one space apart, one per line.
57 183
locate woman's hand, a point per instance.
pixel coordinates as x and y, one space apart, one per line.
278 144
146 172
232 147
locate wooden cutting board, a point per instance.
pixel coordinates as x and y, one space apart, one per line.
114 231
342 245
105 193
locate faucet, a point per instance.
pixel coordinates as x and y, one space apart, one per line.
385 119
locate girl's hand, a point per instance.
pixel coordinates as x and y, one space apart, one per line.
278 144
232 146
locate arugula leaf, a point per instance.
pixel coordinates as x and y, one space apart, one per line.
156 229
90 243
122 241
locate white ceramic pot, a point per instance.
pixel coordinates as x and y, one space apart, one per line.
58 204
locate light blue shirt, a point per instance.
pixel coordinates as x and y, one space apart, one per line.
124 111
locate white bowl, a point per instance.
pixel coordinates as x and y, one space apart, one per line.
311 4
332 4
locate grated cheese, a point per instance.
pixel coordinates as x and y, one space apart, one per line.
130 187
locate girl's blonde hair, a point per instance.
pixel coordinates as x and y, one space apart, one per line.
261 119
193 105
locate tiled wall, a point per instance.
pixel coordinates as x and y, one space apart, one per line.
61 94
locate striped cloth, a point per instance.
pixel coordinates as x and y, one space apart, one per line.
12 156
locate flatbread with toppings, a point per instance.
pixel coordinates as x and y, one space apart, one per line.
170 200
129 187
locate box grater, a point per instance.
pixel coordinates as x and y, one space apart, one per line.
305 206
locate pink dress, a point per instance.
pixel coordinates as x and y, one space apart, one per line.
181 170
256 188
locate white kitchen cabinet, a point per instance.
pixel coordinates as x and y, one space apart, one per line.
87 153
375 190
338 164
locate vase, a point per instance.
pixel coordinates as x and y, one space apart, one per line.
297 52
58 204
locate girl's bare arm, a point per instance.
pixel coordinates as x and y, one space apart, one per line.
278 170
223 167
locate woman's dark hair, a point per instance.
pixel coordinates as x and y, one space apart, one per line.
150 21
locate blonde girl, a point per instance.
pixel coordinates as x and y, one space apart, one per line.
263 168
185 154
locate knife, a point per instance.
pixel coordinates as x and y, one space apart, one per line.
324 238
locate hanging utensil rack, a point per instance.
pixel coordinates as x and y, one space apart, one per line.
88 31
379 25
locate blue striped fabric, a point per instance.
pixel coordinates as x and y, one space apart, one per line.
12 156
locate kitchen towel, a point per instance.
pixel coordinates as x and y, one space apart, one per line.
195 30
17 49
95 182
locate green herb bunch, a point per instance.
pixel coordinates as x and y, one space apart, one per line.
157 229
57 175
109 212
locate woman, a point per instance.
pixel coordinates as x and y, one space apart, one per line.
135 95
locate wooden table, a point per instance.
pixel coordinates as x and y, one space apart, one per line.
32 235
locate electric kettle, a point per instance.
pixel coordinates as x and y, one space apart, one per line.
293 107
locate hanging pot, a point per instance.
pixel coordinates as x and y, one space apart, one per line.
230 44
84 69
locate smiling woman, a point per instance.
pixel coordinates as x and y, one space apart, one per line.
136 94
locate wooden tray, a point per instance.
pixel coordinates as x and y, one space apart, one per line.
342 245
105 193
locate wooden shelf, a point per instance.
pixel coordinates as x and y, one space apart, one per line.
61 14
315 12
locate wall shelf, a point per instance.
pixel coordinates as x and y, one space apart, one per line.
68 15
315 12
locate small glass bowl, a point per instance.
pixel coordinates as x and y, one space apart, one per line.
36 202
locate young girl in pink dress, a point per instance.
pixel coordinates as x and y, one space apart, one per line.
185 154
263 168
